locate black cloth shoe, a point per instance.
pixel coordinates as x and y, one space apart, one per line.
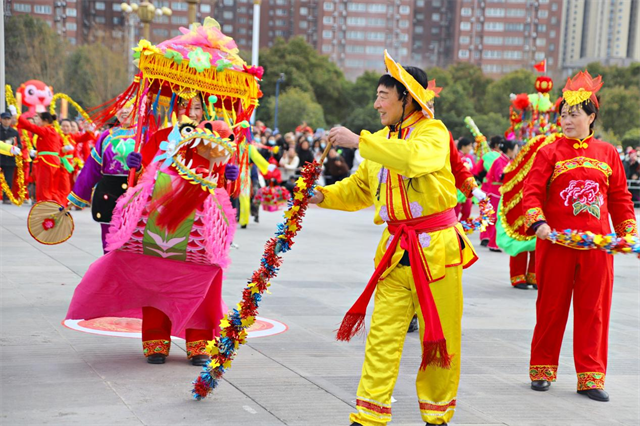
355 424
596 394
495 250
484 243
199 360
535 286
413 325
156 359
427 424
522 286
540 385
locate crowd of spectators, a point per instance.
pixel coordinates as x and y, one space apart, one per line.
631 165
289 152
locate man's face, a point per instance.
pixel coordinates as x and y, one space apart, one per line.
466 149
6 122
388 105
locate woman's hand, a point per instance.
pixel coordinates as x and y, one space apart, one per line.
543 231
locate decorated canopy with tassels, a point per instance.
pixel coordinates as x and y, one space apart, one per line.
202 61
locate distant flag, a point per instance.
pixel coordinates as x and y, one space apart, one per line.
541 66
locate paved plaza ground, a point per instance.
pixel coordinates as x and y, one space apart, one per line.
54 375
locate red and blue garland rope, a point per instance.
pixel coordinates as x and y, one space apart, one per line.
234 326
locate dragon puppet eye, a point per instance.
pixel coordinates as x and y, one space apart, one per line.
30 91
187 130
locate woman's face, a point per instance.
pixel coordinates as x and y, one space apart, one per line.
65 126
195 112
511 153
304 145
124 115
575 122
74 127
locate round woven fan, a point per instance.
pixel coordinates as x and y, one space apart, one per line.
50 223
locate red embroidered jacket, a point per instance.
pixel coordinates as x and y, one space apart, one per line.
577 184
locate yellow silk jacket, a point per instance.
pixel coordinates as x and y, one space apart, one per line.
406 179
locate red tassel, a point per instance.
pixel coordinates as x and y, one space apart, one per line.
352 324
435 353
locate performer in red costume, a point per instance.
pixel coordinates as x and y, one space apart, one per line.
495 177
47 163
575 183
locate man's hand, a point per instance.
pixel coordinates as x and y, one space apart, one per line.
15 150
317 198
341 136
543 231
13 110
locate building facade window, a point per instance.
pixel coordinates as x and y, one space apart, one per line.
516 13
464 40
21 7
466 11
327 6
356 7
356 21
463 53
42 10
465 26
514 27
494 41
494 26
375 8
494 12
327 34
355 35
100 5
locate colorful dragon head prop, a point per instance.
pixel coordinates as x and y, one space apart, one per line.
198 153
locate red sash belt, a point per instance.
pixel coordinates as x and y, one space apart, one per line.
405 232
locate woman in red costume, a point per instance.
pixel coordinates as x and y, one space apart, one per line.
575 183
508 150
46 166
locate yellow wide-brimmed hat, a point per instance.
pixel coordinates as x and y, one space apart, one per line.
421 94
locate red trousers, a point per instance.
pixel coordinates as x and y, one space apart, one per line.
588 276
47 182
522 268
156 335
65 183
463 210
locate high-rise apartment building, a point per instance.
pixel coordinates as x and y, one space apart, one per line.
503 35
497 35
600 30
64 16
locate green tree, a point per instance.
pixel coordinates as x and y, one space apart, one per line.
360 96
619 109
452 107
294 107
306 70
94 74
492 124
497 95
33 51
473 82
631 138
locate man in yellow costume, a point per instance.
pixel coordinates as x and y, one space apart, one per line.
406 175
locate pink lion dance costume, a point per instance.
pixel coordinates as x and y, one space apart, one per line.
168 245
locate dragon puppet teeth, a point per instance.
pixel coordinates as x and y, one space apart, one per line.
196 142
190 163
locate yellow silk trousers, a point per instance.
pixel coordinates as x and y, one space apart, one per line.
245 207
396 302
